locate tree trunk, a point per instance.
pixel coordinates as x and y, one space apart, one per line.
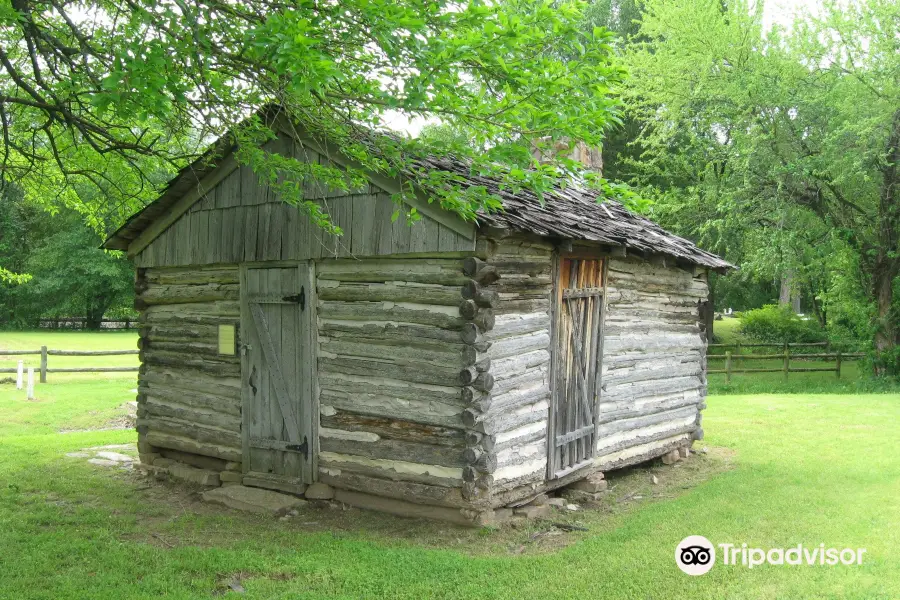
819 311
789 294
887 259
96 308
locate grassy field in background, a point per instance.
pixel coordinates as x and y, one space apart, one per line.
727 330
71 340
780 470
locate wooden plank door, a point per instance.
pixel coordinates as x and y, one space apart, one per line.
578 349
277 347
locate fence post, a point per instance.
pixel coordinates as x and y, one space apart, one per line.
728 366
787 361
837 369
20 372
43 364
29 393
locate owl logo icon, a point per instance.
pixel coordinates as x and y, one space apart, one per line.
695 555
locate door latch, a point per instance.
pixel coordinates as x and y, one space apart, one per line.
298 298
301 448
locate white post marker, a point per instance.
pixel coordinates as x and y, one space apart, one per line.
19 373
30 391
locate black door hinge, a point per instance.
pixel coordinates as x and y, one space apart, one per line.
298 298
301 448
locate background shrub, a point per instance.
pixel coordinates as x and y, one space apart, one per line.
775 323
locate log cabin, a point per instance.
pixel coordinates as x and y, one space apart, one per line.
440 368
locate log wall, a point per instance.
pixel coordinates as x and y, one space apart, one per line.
433 373
510 421
391 373
189 397
654 363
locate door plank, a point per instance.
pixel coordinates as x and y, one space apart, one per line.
274 369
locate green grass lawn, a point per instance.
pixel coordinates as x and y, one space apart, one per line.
780 470
726 330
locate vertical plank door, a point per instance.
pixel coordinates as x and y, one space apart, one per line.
578 335
277 314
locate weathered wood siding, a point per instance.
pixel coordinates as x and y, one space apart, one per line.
653 381
242 220
390 396
512 418
189 397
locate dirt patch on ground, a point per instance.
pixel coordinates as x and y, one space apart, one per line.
125 418
178 517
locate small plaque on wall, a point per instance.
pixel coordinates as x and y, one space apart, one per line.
227 340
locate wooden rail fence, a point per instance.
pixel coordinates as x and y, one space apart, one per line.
785 356
45 354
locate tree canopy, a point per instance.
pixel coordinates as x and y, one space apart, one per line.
116 94
778 148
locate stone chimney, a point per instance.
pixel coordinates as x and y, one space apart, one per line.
591 158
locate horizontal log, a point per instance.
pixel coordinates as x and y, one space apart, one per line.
439 271
222 366
490 423
642 389
526 306
407 509
397 450
665 371
376 405
193 431
229 405
519 324
521 344
528 379
513 366
523 453
389 292
621 425
194 347
390 333
350 386
401 370
192 275
162 439
515 437
156 406
394 429
163 312
189 293
420 314
418 493
441 354
631 407
643 449
185 380
393 470
535 392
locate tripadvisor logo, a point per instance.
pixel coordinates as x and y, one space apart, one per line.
696 555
